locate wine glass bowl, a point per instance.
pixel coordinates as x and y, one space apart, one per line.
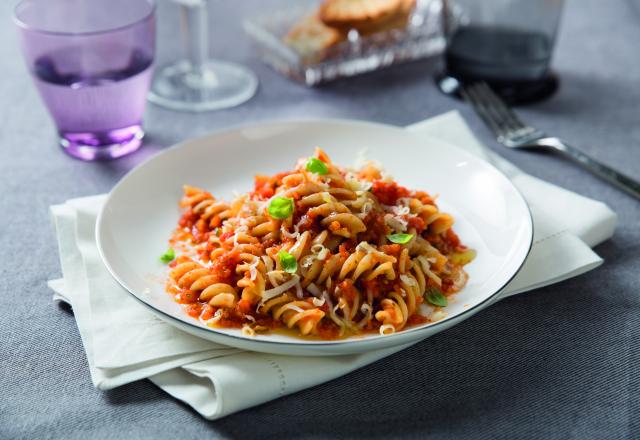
198 83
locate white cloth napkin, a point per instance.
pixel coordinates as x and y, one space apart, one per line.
124 342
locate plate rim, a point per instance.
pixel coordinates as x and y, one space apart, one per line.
302 343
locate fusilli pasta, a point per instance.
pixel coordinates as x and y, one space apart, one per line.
324 250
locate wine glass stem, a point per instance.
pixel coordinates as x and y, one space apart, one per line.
445 19
197 36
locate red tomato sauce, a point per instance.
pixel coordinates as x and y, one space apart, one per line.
224 266
264 187
417 223
391 249
416 319
388 192
328 330
194 310
447 242
378 287
188 219
347 290
376 227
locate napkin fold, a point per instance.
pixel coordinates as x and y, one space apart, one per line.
124 342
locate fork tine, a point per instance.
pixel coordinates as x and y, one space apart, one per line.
497 115
469 95
499 106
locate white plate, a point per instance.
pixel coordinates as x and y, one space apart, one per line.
142 211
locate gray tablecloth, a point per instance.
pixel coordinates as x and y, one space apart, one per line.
560 362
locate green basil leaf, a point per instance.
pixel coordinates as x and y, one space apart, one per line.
288 262
280 207
400 238
168 256
317 166
436 297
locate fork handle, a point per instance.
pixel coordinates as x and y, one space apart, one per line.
618 179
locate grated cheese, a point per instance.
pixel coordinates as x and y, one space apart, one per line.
253 269
272 293
248 331
308 260
396 223
293 235
294 308
387 329
410 281
314 290
323 254
299 292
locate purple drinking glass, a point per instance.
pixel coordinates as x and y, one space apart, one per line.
92 62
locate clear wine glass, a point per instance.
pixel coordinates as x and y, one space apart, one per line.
199 83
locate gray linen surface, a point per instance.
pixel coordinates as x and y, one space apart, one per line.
560 362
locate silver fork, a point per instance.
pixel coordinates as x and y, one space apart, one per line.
511 132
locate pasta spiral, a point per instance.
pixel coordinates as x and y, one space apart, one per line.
197 278
295 313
